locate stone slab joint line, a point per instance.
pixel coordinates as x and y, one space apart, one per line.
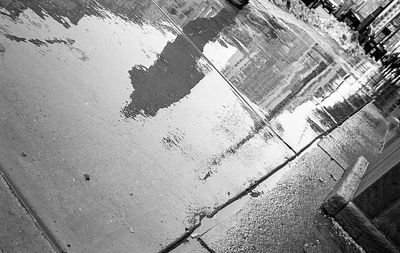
30 211
235 90
205 246
245 192
332 158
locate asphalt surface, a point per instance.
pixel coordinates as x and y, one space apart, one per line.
125 123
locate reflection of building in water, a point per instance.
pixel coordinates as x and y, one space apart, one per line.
314 63
389 100
333 83
176 71
265 62
183 11
285 69
272 60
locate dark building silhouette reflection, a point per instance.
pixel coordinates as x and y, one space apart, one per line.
75 10
176 70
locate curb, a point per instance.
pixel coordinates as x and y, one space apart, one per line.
344 191
363 231
339 205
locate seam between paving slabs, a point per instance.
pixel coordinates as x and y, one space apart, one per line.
204 244
235 90
40 225
56 244
186 235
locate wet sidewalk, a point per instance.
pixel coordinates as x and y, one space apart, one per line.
125 124
283 213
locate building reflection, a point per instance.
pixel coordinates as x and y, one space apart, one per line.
75 10
176 70
272 61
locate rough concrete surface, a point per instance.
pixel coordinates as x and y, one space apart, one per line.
18 231
284 213
125 123
361 135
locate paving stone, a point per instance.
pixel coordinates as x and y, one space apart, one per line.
283 213
18 231
362 135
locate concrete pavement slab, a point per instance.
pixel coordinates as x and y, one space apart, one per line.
116 129
361 135
18 231
283 213
273 61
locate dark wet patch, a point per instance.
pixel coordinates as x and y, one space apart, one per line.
60 41
14 38
37 42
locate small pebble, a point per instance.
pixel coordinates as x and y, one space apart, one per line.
23 154
86 176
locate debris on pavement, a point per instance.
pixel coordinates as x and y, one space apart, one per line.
86 176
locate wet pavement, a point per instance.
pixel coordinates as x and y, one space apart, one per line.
283 213
18 232
125 123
